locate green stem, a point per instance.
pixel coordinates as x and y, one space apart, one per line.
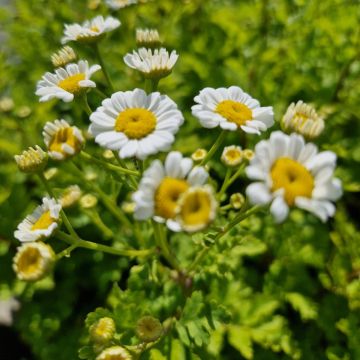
100 93
238 218
96 219
161 241
66 252
236 175
103 67
86 156
224 184
104 248
62 213
122 163
106 200
214 148
151 85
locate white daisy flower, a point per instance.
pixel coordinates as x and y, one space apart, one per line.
33 261
62 140
148 38
232 155
119 4
136 124
90 30
303 119
152 63
293 173
161 186
41 223
231 109
196 208
66 83
114 353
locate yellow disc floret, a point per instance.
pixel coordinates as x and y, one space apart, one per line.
167 195
234 111
71 84
43 222
135 123
293 177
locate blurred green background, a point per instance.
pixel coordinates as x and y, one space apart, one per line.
293 290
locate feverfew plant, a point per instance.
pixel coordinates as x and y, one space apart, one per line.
178 218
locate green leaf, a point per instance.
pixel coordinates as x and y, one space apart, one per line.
240 339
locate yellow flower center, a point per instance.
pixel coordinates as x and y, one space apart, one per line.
234 111
95 29
71 84
135 123
29 261
233 155
167 195
293 177
63 136
43 222
196 208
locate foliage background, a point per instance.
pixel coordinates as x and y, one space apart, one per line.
288 291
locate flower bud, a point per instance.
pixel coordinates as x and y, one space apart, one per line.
237 201
32 160
302 119
114 353
88 201
232 155
248 154
149 329
199 155
6 104
103 330
148 38
64 56
70 196
33 261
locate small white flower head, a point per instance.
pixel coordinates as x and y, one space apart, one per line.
232 109
32 160
64 56
148 38
152 63
199 155
290 173
90 30
41 223
33 261
149 329
114 353
136 124
196 208
67 83
62 140
7 307
232 155
103 330
302 119
161 186
70 196
237 200
119 4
